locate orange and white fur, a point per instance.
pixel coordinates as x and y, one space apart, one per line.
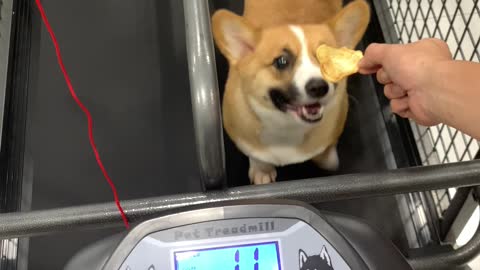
277 108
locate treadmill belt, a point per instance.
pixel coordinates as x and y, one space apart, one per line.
128 65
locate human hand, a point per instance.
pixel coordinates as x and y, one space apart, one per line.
405 70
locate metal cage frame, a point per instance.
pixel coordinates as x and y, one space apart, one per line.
409 21
197 16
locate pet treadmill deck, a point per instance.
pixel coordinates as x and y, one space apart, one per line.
128 64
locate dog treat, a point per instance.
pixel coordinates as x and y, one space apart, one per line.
336 64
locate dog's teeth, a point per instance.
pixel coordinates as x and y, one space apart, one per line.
305 112
309 116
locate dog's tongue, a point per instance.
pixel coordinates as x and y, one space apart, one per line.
312 108
310 112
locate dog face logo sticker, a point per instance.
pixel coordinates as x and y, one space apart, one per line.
315 262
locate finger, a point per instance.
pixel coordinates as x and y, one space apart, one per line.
408 114
382 77
368 70
399 105
404 114
393 91
373 58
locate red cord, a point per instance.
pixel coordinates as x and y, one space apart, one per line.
84 109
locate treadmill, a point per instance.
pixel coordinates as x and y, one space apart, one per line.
137 68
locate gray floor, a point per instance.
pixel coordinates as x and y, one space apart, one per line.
128 64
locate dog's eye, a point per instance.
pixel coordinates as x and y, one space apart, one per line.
282 62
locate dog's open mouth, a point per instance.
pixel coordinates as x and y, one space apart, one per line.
310 113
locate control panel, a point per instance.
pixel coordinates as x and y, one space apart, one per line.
251 243
273 235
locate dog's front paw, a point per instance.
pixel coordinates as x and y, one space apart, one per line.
261 173
259 177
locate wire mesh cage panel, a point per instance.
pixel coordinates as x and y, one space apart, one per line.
458 23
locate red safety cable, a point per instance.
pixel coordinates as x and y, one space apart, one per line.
84 109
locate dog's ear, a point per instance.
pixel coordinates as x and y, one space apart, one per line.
325 256
302 258
234 36
350 24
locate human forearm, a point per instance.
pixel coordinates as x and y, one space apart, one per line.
455 88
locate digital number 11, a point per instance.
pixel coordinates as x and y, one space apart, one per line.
237 259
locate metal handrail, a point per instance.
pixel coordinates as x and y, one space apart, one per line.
311 191
205 94
6 11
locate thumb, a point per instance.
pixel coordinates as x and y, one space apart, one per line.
373 59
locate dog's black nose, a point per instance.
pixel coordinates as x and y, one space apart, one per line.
317 88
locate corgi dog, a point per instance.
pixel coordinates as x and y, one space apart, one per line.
277 108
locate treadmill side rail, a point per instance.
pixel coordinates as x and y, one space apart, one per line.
205 94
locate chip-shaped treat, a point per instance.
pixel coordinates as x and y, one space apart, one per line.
337 64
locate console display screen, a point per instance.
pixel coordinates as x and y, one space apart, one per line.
255 256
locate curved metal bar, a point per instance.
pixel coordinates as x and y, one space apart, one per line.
451 259
311 191
6 11
205 95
